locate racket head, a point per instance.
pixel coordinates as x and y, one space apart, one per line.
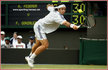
91 22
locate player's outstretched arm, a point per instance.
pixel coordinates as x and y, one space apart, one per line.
67 24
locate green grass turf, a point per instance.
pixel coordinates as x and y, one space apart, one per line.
52 66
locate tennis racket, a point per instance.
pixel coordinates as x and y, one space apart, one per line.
89 22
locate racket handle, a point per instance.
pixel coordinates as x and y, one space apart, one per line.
78 26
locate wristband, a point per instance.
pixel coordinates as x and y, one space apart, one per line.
71 25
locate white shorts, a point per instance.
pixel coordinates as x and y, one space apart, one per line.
39 34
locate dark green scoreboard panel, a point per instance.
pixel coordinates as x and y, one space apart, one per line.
24 14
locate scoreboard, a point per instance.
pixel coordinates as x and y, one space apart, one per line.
24 14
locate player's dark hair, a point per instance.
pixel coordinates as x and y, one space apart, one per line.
55 5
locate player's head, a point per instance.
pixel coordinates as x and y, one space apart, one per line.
61 8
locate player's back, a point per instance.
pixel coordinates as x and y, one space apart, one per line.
50 18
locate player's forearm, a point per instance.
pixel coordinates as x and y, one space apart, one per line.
67 24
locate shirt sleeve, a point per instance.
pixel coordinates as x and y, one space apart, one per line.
60 19
50 9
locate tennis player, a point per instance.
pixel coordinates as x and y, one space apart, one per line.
46 25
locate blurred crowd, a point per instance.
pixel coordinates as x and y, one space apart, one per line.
15 41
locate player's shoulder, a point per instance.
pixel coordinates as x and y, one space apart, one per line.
59 15
52 14
55 13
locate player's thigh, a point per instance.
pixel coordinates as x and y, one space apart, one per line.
40 36
44 42
38 43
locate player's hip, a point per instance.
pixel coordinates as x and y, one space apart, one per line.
39 33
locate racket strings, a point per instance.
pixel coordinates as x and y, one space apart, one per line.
90 21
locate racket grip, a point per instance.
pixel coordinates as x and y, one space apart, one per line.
78 26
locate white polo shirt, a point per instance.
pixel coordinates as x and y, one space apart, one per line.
51 21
